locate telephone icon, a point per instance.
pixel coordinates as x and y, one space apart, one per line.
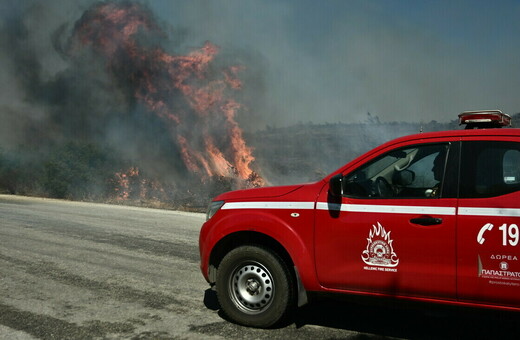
480 236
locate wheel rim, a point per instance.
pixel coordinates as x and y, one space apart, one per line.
251 287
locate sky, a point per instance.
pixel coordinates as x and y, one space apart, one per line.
334 61
331 61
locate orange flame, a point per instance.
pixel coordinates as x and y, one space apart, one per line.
123 183
130 184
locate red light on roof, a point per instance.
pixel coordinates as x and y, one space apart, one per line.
484 119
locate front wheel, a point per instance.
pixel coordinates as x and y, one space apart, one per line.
255 287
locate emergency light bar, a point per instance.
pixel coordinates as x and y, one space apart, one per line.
484 119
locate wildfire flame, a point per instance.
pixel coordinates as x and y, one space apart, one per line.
184 91
123 181
130 184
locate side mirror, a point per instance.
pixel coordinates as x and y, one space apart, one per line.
335 187
403 178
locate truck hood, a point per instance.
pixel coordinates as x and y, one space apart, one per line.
258 193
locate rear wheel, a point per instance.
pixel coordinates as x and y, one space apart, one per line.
255 287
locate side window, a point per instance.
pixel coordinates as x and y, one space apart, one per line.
512 167
411 172
489 169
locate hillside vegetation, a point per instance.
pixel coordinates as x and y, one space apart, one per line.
300 153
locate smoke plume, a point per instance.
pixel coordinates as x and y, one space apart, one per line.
116 77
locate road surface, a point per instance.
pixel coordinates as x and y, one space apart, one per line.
72 270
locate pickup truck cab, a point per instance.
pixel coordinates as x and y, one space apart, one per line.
431 217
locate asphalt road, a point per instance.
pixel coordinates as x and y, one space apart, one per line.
72 270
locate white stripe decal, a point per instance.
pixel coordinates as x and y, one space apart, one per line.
382 209
269 205
489 212
396 209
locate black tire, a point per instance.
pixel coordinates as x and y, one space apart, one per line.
255 287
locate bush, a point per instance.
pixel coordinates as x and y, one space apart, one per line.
77 171
20 171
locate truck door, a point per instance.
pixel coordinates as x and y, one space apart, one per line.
393 229
488 236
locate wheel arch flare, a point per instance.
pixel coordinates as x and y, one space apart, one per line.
278 237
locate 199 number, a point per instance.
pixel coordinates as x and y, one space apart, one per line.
510 234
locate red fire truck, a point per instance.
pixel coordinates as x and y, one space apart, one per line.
430 217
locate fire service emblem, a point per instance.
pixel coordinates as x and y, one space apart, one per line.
379 251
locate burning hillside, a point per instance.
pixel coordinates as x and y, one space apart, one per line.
170 117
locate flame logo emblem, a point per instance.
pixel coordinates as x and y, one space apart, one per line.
379 251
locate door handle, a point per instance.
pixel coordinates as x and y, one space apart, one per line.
426 221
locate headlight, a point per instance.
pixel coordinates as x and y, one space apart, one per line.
213 208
